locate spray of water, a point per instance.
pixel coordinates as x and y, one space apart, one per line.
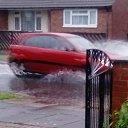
63 87
60 82
56 85
65 77
116 47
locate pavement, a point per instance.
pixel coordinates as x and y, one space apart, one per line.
16 115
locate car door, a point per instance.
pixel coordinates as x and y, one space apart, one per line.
46 54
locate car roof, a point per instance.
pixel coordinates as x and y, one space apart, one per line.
23 36
49 34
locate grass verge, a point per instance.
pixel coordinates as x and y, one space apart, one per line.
7 95
3 57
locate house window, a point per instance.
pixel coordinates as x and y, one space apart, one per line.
80 18
27 20
38 20
17 20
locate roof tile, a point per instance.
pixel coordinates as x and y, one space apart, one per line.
53 3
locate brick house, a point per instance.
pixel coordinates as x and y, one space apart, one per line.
120 19
74 16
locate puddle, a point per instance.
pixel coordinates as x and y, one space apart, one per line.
57 88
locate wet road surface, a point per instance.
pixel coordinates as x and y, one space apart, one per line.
61 98
8 82
22 116
62 88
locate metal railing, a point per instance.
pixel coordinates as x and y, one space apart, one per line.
6 37
98 89
93 36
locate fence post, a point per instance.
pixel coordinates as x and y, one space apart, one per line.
88 91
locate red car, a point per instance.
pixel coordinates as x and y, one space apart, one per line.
44 53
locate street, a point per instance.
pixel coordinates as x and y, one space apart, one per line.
52 103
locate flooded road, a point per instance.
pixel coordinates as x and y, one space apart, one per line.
62 87
8 81
57 100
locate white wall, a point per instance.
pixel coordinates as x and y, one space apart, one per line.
45 21
11 21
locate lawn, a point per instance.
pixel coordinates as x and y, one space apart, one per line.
3 57
7 95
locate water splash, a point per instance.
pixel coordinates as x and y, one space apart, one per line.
65 77
63 87
116 47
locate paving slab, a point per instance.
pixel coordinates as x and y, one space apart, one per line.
41 117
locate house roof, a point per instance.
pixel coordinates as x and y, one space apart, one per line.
11 4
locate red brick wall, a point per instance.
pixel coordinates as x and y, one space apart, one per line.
120 84
120 19
3 20
110 25
103 20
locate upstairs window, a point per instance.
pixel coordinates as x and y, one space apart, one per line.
80 18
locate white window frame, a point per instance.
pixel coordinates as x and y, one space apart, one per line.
87 14
36 16
17 16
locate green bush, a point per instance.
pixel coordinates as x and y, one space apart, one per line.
121 116
119 119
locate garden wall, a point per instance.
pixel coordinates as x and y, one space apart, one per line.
120 83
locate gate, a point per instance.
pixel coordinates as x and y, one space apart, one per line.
98 89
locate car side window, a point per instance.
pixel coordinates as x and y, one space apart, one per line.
45 42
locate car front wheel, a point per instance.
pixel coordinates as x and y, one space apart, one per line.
17 68
20 71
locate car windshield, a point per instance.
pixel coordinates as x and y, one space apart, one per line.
80 43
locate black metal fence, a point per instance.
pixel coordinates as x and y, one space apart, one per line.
98 89
6 37
93 36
